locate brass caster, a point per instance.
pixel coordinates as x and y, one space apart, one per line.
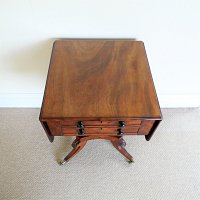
131 161
62 162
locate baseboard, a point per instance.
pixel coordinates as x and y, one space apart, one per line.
35 101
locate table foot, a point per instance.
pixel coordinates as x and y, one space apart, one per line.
131 161
62 162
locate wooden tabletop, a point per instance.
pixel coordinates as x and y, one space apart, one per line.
99 78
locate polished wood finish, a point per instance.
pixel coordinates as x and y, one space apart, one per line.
80 142
99 78
99 89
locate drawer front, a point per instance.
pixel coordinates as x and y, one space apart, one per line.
92 127
129 130
88 131
101 123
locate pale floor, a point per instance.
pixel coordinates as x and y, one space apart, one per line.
166 167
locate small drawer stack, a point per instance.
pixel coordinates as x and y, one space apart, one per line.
97 127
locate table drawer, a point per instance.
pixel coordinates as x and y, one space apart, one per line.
131 130
101 123
108 127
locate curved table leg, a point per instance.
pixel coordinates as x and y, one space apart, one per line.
80 142
120 144
77 146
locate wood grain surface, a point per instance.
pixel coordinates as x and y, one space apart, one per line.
99 78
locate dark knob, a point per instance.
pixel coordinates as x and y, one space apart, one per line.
80 124
119 132
121 123
81 132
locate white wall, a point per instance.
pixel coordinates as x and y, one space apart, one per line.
170 30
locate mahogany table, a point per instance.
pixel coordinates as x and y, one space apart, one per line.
99 89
